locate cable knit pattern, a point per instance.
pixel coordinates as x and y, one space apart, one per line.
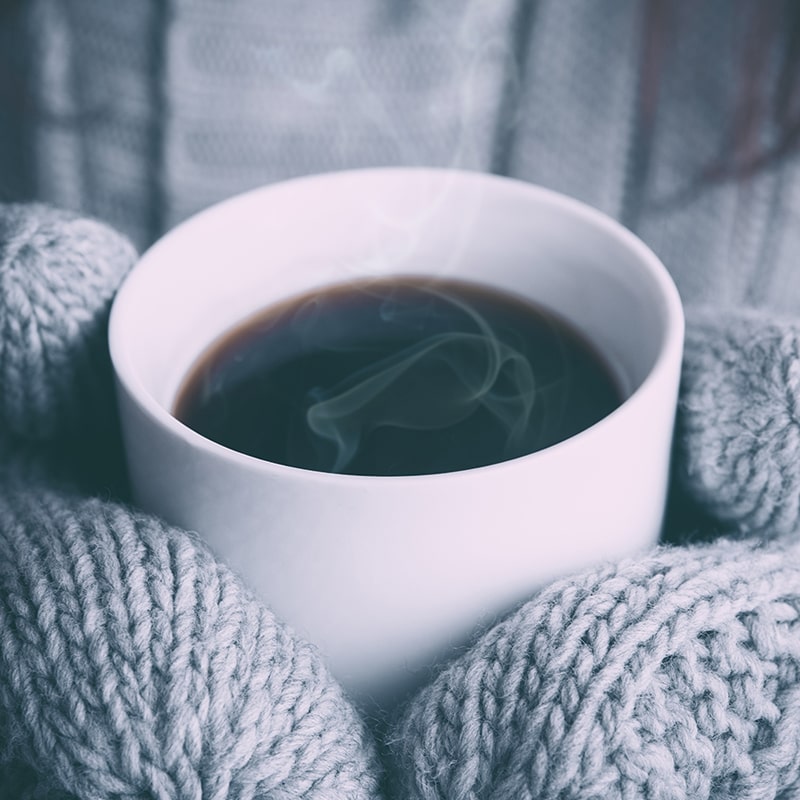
132 664
739 422
671 677
58 273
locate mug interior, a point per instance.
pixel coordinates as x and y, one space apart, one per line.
230 261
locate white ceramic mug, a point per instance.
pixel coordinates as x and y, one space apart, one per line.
387 574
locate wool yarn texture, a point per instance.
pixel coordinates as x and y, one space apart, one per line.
58 274
133 664
669 677
739 420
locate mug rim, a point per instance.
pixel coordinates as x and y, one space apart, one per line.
126 374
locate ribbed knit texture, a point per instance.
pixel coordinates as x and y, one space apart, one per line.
672 677
739 421
58 273
132 664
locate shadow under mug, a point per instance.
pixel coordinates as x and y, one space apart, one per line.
388 574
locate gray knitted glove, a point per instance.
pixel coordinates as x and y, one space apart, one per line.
132 663
673 676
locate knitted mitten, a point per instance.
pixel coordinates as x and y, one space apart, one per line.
58 273
676 675
132 663
739 421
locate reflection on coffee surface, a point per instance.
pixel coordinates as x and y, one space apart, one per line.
399 376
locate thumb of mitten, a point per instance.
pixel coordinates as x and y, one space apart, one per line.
132 664
58 274
738 432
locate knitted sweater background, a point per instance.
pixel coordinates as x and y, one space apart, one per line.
127 670
142 113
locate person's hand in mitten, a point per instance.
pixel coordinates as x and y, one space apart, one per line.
58 273
132 663
674 675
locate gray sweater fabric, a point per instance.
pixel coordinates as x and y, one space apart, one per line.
133 663
143 113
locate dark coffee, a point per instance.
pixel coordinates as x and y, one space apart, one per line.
397 377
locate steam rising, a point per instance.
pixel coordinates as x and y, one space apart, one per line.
407 375
433 383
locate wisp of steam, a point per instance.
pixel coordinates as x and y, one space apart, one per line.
433 383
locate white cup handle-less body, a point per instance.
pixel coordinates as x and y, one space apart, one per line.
386 574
